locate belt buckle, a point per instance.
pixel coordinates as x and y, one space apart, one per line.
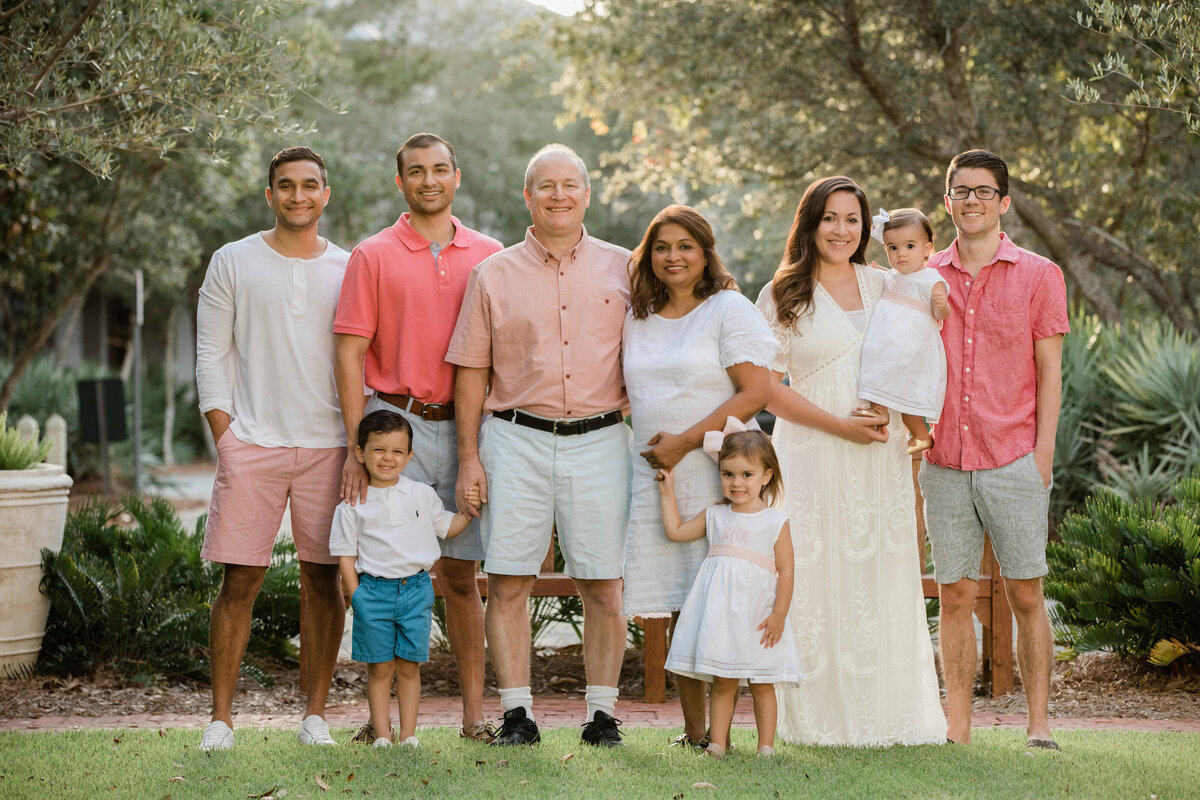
554 428
429 409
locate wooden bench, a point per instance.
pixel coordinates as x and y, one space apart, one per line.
557 584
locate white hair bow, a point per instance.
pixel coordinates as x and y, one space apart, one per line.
877 223
714 439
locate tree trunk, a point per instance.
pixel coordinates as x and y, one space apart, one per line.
168 432
42 334
66 332
1066 256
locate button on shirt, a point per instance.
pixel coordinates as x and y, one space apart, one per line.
405 298
989 416
394 532
550 329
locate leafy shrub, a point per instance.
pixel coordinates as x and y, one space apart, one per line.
129 591
16 453
1127 575
1130 416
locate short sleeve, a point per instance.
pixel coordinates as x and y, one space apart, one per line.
358 307
471 344
343 535
439 516
745 336
1048 306
783 337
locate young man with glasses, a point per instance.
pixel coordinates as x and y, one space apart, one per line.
993 453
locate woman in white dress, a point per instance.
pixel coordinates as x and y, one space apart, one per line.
695 352
858 609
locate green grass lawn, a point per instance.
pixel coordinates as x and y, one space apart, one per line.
166 764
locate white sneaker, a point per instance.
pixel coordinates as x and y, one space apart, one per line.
382 741
217 736
411 743
314 730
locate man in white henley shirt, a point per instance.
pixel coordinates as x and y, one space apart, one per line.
264 369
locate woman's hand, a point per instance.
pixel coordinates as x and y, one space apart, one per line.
866 429
666 450
772 628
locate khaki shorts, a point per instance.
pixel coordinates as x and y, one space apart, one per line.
251 491
1010 502
577 485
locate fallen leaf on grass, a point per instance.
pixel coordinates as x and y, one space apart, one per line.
324 786
480 763
566 758
268 793
702 785
393 775
522 783
502 762
177 779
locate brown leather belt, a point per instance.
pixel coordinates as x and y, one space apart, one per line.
560 427
438 412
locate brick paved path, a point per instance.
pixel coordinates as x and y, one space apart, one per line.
552 711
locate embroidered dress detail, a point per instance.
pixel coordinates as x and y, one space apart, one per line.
905 300
741 552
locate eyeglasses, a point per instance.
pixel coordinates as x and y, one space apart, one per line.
981 192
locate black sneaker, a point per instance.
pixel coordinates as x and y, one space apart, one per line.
517 729
602 731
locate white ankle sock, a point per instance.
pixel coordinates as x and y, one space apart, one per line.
601 698
521 696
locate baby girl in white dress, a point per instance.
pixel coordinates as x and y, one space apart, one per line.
903 359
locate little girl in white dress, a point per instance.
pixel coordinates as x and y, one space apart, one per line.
903 359
735 615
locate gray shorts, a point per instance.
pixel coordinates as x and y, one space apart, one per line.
435 462
1009 502
578 485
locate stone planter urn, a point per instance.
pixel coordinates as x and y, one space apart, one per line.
33 514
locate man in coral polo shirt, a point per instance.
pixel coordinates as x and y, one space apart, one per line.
399 303
993 453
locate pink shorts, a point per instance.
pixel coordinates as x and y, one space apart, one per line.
251 490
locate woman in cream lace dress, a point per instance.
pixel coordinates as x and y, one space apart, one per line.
858 609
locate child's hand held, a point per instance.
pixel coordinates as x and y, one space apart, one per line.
666 481
472 497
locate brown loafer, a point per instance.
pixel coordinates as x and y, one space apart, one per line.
480 732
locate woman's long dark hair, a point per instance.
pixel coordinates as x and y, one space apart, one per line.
647 293
796 278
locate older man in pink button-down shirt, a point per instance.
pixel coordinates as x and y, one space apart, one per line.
538 345
991 462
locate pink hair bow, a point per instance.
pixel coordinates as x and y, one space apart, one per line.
714 439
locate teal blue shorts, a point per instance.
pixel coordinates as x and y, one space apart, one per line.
392 618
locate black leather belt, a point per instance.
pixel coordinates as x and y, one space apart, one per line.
560 427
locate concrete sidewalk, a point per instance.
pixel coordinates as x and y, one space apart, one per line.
551 711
